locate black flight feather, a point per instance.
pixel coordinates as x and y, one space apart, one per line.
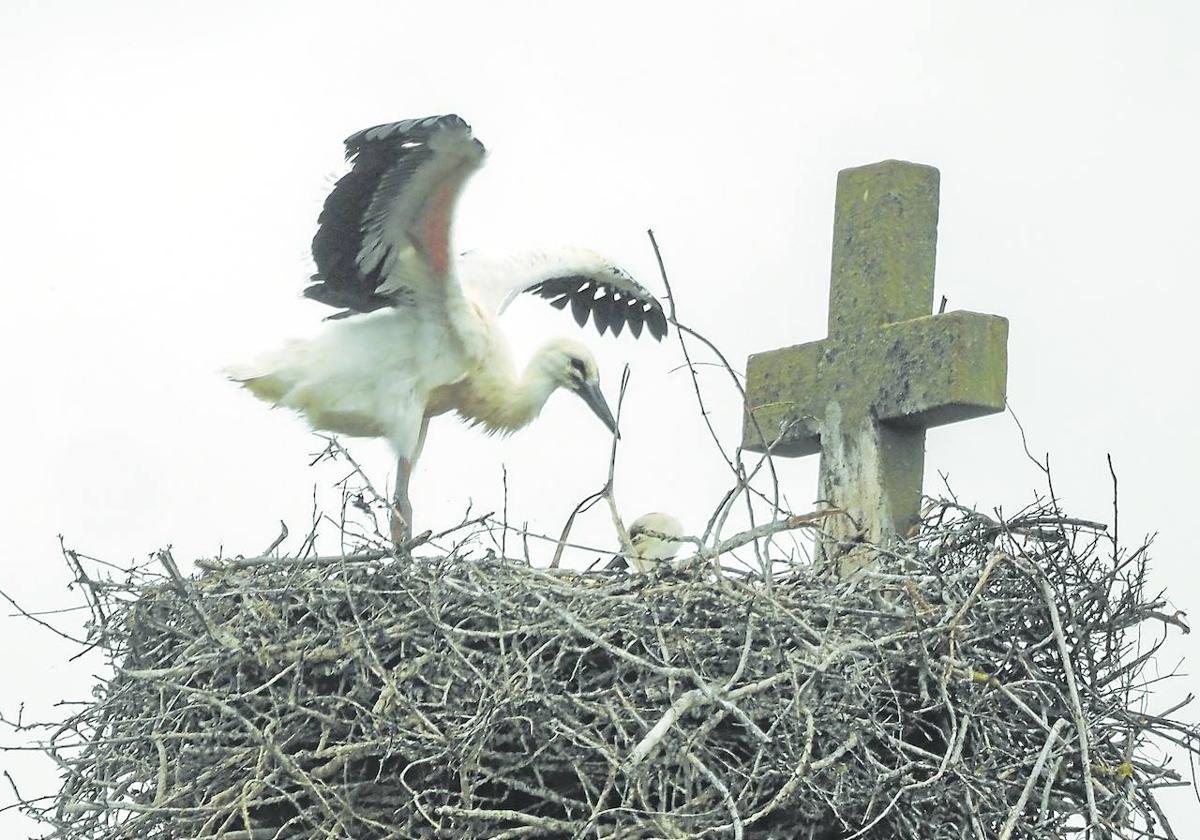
611 304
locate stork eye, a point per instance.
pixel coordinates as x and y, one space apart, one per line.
579 367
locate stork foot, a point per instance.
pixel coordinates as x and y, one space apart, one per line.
400 527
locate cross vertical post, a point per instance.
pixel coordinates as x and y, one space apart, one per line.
864 396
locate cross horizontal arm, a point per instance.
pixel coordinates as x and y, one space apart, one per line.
781 400
919 373
942 368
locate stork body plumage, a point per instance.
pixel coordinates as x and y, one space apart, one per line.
418 334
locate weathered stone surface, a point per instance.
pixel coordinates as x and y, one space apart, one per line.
864 396
921 373
884 242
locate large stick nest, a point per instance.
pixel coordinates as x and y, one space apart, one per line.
981 681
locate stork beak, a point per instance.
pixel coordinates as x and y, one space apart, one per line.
590 393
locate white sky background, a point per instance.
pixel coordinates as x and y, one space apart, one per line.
164 164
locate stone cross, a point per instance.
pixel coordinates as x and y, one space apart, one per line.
889 370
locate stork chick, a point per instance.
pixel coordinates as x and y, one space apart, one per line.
649 549
418 334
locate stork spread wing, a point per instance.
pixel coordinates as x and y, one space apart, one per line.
591 285
383 237
613 301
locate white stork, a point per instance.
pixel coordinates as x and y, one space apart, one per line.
654 537
418 334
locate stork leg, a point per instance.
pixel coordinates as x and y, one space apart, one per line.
401 524
401 521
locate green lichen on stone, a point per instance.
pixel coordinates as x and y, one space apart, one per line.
778 383
922 373
941 369
884 244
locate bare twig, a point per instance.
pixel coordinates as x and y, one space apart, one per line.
1081 724
1018 807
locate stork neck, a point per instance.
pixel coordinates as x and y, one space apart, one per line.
535 387
502 402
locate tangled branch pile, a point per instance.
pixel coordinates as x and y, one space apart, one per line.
982 681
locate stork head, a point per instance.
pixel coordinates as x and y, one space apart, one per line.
572 366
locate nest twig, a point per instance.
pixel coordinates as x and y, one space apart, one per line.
983 680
